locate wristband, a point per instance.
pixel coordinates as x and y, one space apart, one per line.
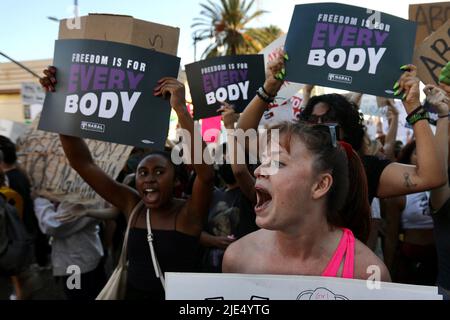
416 110
414 117
264 96
268 94
443 116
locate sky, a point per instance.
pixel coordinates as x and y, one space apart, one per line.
27 34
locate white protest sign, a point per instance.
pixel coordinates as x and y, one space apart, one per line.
11 129
32 93
280 287
288 97
288 89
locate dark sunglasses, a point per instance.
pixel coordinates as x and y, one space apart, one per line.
330 128
324 118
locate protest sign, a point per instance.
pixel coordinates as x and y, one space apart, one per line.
286 106
433 54
429 18
123 29
232 79
105 92
12 129
287 287
41 155
211 128
288 110
32 93
288 89
348 47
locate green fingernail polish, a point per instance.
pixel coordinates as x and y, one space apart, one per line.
404 96
283 71
286 57
397 92
404 67
396 85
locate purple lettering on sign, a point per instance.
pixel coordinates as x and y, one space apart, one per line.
134 80
349 37
116 79
100 77
234 76
364 37
319 35
86 76
206 84
73 78
380 37
224 81
243 74
215 80
335 33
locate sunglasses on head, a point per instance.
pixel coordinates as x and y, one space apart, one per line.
330 128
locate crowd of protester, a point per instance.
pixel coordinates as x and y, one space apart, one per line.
339 202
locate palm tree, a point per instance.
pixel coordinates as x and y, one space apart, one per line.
226 22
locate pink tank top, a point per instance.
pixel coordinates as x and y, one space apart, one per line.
345 248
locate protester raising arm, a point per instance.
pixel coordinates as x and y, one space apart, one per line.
198 204
429 173
391 136
244 178
250 118
440 100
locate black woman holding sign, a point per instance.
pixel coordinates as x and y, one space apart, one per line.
176 223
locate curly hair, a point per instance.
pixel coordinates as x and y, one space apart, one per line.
342 111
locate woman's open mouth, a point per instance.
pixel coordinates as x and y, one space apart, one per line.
151 195
264 199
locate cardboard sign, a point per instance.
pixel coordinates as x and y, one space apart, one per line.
105 92
233 79
274 287
348 47
429 18
41 155
433 54
122 29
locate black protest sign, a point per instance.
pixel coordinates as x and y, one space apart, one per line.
105 92
231 79
348 47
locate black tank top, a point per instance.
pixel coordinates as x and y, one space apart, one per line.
175 251
441 229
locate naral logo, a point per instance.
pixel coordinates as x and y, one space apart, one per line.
92 126
340 78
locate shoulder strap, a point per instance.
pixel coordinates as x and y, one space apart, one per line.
123 255
349 263
346 247
156 267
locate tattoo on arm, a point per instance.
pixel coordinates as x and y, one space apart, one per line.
408 181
